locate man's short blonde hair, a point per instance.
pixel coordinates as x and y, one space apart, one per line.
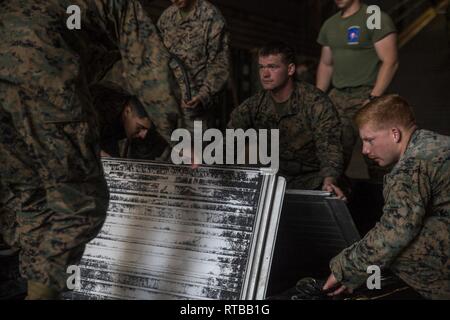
386 111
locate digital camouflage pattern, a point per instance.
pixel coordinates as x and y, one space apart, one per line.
61 57
200 41
49 139
310 131
412 237
56 196
348 102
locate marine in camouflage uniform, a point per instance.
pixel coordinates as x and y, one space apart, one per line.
122 121
49 139
109 92
310 148
200 41
412 237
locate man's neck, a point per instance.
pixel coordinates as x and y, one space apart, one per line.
407 140
282 95
354 8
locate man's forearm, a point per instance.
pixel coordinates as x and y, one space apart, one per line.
218 65
324 74
385 76
218 75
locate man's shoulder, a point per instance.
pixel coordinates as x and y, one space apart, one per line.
427 152
368 13
384 15
429 145
311 95
332 21
168 14
306 87
210 11
247 111
256 99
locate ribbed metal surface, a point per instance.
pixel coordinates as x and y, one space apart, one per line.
174 233
314 227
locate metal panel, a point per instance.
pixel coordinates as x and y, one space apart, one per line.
173 232
271 236
314 227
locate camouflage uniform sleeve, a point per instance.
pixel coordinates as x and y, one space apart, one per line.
145 60
327 136
406 198
161 23
218 64
241 117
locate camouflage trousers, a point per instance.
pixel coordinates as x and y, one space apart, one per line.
53 193
348 102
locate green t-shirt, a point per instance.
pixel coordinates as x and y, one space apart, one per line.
355 60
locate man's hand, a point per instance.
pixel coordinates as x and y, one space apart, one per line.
195 103
195 159
334 288
190 156
329 184
103 154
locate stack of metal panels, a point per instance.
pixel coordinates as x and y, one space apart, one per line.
173 232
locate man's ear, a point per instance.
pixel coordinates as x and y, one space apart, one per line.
291 69
396 134
128 111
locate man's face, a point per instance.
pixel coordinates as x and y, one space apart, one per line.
135 127
182 4
274 73
380 145
344 4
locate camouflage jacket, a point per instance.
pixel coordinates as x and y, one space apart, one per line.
200 41
412 237
48 61
310 147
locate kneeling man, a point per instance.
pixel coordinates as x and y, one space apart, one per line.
412 237
310 149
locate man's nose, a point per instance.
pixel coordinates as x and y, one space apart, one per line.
142 133
365 150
